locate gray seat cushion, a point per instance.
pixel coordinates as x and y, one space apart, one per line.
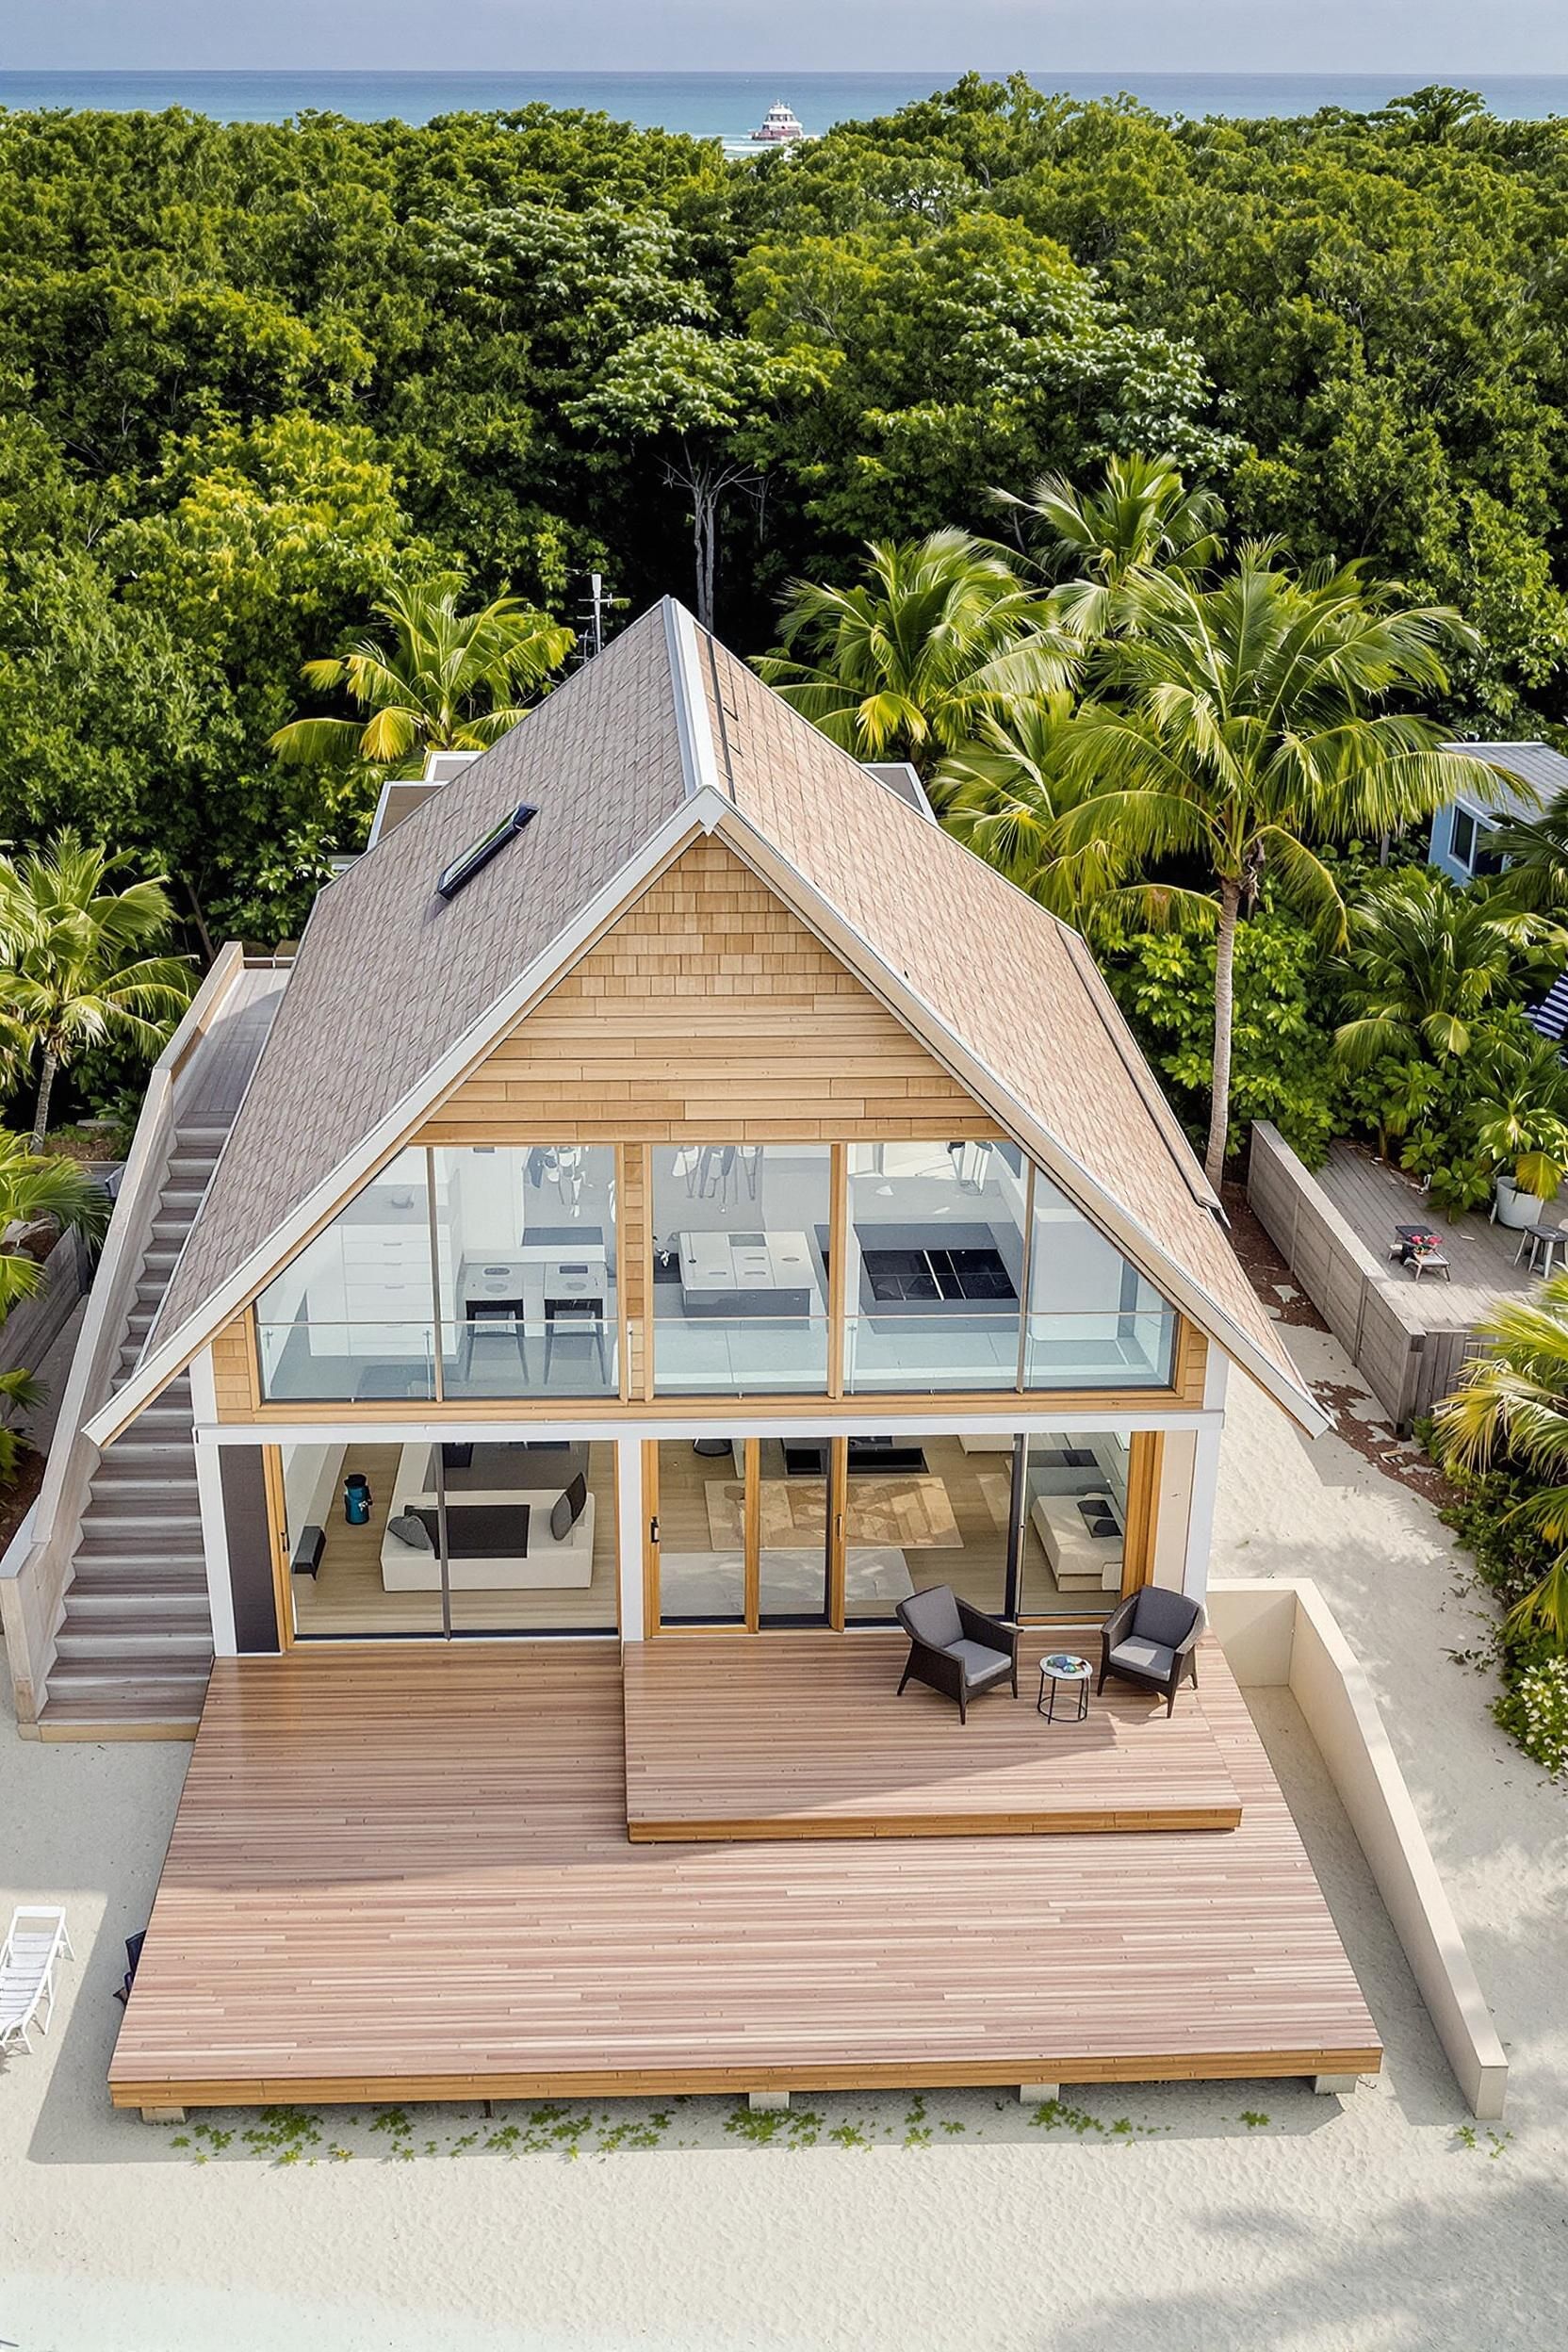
979 1663
932 1617
1144 1658
1163 1616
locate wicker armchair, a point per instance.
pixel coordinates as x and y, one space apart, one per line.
1152 1639
955 1649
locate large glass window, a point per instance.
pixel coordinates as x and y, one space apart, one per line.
935 1266
740 1268
353 1315
509 1536
525 1250
924 1510
1075 1533
498 1280
1094 1321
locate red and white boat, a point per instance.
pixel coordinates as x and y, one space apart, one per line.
778 125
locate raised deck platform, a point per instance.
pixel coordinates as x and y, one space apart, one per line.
405 1874
807 1736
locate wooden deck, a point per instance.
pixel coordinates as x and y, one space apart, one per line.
803 1737
1373 1198
405 1874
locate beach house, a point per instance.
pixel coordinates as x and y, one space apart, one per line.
677 1206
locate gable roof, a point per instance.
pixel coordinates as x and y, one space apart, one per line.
663 736
1539 773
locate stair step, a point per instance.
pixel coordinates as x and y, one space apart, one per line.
179 1548
152 1582
121 1711
129 1627
83 1664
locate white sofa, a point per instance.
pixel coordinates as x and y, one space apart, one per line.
549 1561
1080 1561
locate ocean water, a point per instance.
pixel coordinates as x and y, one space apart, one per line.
725 106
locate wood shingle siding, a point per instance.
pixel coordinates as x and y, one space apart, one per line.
708 1013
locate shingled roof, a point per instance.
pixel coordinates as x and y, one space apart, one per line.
666 735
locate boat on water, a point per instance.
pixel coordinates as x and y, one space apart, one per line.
778 124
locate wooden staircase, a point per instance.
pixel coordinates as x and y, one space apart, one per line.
135 1647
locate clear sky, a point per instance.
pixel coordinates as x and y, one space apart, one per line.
1419 40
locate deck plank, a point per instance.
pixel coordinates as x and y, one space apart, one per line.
808 1739
404 1873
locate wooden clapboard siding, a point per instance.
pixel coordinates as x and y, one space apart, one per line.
1190 1361
806 1737
706 1013
234 1369
405 1874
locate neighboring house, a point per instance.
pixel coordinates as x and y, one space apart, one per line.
1536 776
682 1203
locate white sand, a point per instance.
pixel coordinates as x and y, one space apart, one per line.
1320 2230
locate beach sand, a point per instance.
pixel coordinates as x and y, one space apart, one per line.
1243 2215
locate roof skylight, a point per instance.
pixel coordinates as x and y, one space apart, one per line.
463 869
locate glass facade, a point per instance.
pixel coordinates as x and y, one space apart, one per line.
353 1315
480 1272
922 1510
527 1261
1094 1321
426 1539
454 1273
740 1268
936 1271
1074 1544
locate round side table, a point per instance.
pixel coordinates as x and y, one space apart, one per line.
1058 1670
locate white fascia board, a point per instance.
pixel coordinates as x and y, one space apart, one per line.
1034 1414
699 757
1084 1188
172 1356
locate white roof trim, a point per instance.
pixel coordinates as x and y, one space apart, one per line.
170 1356
709 810
697 756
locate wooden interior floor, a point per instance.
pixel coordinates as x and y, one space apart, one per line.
405 1874
807 1736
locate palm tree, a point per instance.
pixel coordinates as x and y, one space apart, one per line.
1105 546
1006 795
75 973
1237 727
1512 1405
32 1188
1424 961
939 635
1535 855
446 681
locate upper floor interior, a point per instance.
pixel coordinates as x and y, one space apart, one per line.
663 1054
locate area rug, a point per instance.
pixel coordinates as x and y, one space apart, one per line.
912 1513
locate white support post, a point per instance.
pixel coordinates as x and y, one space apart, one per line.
767 2102
1334 2086
1038 2094
209 1496
1205 1480
628 1487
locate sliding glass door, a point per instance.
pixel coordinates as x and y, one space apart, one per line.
742 1530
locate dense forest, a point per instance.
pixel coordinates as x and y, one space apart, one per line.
251 374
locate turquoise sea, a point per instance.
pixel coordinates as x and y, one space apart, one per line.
727 106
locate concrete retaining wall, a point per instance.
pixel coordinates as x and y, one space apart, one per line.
1285 1635
1408 1368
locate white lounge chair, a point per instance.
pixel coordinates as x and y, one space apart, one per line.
35 1940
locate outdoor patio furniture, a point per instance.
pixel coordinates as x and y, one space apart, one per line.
955 1649
133 1956
1543 1243
1060 1669
1152 1639
1429 1261
34 1943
